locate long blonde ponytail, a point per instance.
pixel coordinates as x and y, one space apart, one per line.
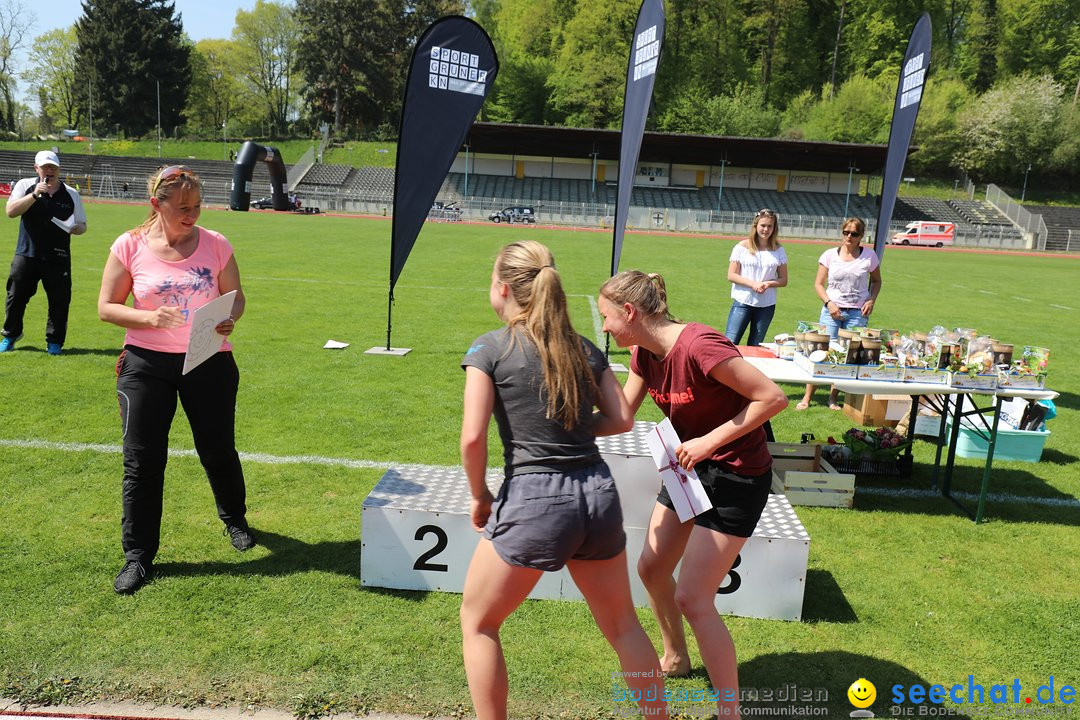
528 269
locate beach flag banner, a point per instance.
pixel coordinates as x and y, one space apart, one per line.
909 93
640 78
452 70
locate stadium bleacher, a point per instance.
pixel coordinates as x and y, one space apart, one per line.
99 173
1062 226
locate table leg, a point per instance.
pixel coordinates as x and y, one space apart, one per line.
989 461
954 436
944 407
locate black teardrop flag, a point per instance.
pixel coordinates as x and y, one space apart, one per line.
640 76
908 98
452 70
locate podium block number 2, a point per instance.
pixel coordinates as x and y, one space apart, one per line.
441 542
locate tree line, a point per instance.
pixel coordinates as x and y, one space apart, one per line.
1001 95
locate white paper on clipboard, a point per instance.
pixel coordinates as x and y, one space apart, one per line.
683 486
205 340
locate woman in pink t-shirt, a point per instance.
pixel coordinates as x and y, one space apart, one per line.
170 267
848 282
717 403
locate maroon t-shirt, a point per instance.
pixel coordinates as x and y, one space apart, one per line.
697 404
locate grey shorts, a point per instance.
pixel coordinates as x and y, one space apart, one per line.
541 520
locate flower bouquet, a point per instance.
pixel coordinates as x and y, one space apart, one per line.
881 444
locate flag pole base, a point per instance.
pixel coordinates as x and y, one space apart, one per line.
380 350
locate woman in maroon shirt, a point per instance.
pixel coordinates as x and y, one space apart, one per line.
717 403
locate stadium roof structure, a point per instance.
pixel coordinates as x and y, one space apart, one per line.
550 141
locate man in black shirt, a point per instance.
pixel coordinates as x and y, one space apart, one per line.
50 213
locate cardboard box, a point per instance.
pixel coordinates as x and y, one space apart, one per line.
986 381
826 369
1018 381
805 478
926 375
880 372
877 410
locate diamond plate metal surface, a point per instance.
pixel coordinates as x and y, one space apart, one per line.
779 521
446 490
627 443
425 487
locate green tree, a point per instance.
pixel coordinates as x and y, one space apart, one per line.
1035 35
217 96
590 73
127 50
859 112
705 53
937 131
51 78
266 40
1012 125
527 53
16 20
1065 157
354 56
744 113
344 59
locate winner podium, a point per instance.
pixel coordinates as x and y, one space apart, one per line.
416 535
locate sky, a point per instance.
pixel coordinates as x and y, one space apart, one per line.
201 19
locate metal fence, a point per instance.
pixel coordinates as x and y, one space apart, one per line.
1031 225
734 223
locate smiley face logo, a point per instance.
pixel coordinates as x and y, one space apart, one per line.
862 693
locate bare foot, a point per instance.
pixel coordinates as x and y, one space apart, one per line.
675 666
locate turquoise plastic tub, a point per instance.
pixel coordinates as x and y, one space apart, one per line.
1019 445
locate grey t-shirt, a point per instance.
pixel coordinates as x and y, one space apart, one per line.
532 442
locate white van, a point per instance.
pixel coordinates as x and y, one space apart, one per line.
926 232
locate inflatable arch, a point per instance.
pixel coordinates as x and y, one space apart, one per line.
240 198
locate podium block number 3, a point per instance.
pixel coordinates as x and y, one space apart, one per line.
734 581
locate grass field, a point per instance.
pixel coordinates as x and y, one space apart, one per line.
902 589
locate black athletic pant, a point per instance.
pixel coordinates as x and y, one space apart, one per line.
26 273
147 386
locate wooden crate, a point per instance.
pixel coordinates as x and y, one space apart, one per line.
800 473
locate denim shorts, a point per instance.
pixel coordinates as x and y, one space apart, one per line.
850 318
738 500
541 520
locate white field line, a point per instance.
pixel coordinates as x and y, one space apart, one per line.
962 287
267 459
1060 307
987 292
597 321
969 497
1021 299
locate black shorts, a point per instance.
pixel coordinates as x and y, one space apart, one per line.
737 499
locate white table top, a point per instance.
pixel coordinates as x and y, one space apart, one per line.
786 371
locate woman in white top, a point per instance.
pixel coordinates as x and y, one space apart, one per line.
758 266
848 282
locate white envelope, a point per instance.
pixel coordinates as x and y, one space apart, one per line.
683 486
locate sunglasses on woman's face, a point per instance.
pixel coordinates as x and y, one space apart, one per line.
851 233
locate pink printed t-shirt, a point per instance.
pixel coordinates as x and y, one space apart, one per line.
697 404
187 284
